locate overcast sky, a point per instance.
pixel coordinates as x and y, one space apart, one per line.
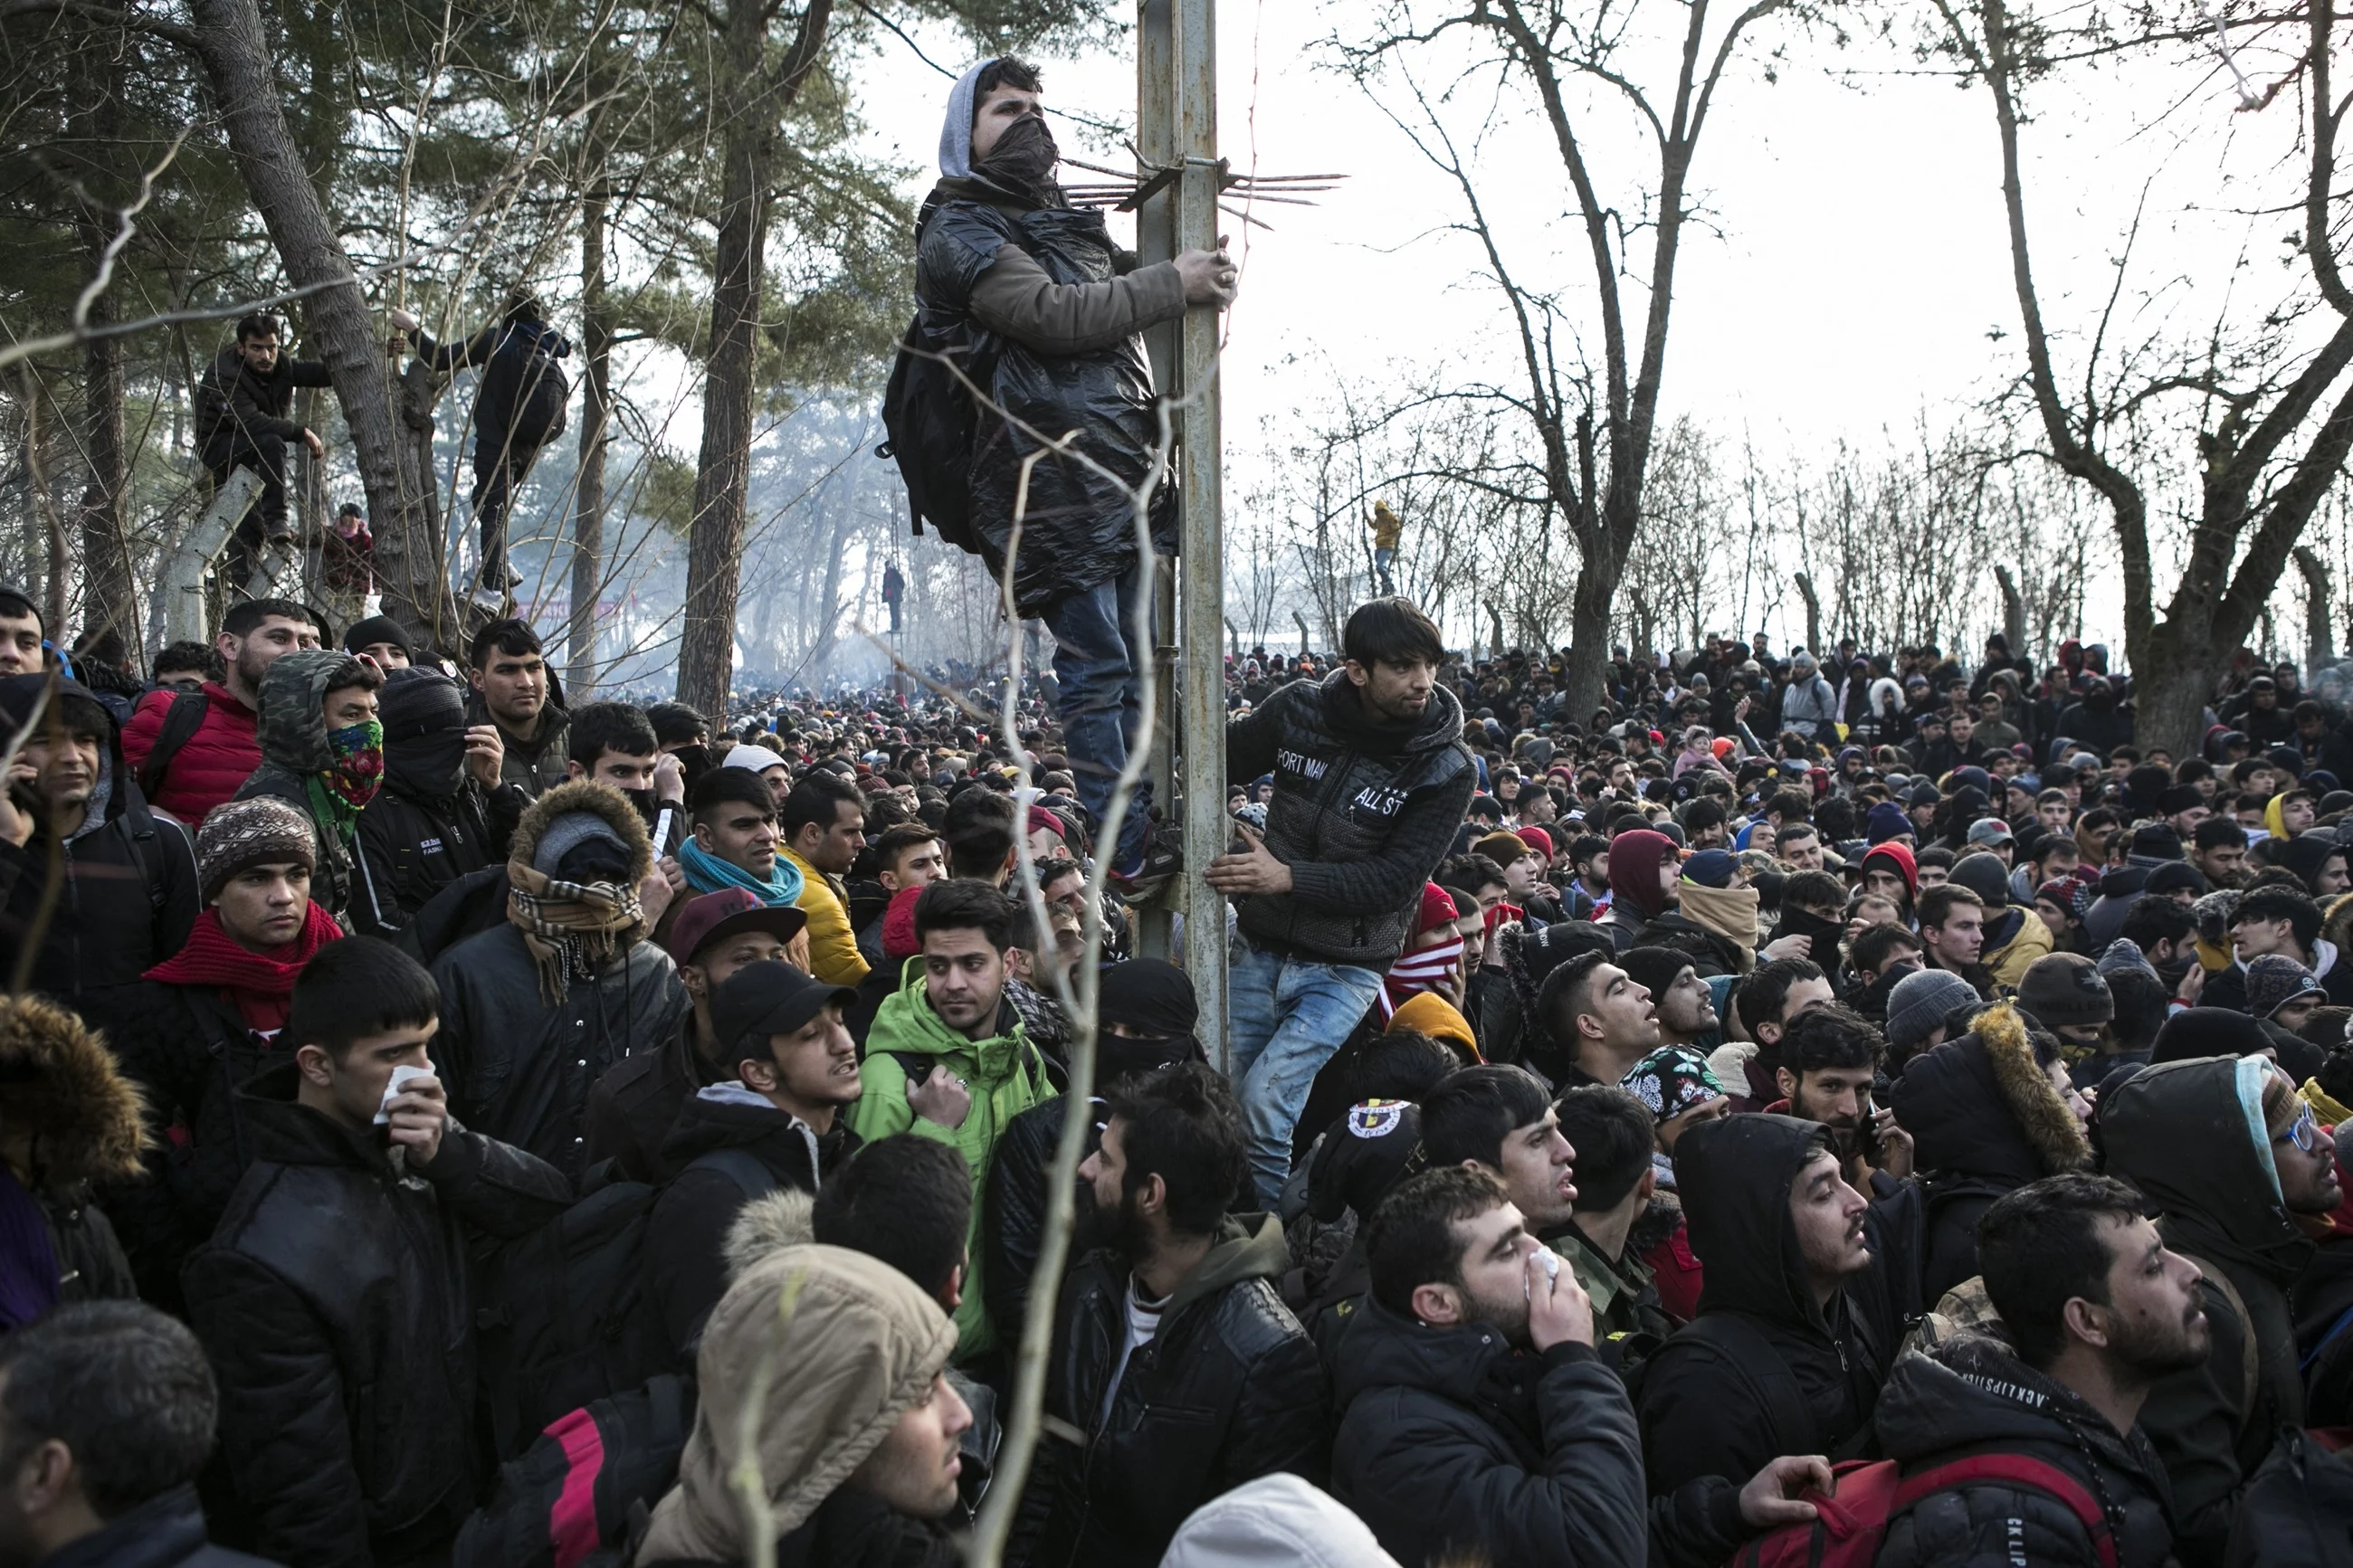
1858 271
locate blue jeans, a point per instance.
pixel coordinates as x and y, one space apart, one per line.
1285 1017
1382 561
1099 666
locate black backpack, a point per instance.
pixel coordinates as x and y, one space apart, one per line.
932 418
573 1497
524 382
565 1318
2298 1512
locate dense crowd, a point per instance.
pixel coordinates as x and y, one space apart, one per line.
445 1124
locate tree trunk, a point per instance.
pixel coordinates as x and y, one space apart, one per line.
2013 610
755 99
2319 642
2169 692
110 605
596 417
407 558
1813 613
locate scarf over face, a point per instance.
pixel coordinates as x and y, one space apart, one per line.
571 928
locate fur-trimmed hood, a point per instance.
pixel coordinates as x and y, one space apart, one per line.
59 1079
587 795
1980 1106
766 1226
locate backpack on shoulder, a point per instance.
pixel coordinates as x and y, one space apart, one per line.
567 1318
572 1498
931 419
2298 1512
182 717
1869 1493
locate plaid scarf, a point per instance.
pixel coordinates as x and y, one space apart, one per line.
571 928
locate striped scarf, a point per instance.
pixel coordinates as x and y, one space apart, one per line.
1417 971
571 928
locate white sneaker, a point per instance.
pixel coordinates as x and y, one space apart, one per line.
489 599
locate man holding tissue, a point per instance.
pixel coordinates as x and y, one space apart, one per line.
332 1300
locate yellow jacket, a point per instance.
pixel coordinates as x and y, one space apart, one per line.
833 945
2009 964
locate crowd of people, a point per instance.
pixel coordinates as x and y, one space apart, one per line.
1858 1106
1620 1120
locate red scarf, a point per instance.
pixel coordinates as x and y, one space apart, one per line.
261 986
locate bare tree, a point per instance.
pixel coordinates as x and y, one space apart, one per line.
1575 60
2251 399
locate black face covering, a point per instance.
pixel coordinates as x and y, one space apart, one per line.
643 799
1022 163
424 736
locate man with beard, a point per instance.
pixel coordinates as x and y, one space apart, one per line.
1828 1059
191 751
1683 1005
1034 288
1177 1373
2096 1311
1145 1012
1783 1359
1371 776
2263 1167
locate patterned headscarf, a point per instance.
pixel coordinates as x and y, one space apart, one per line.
1671 1080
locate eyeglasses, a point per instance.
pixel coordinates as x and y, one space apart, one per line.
2304 1133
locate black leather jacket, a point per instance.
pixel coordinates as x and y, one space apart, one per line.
1229 1390
334 1303
413 846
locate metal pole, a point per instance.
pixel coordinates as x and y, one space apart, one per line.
1201 571
1155 240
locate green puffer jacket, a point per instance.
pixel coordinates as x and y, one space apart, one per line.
1005 1075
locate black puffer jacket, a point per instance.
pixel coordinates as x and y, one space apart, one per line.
1229 1390
1079 529
167 1530
1985 1122
188 1051
686 1234
1363 811
1454 1447
431 823
2221 1208
519 1066
130 890
334 1303
1971 1395
1712 1398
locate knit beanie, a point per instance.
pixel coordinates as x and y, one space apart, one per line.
2064 990
1710 868
1983 873
2274 980
1918 1002
263 831
2123 954
2071 894
2208 1031
1362 1158
568 832
1886 821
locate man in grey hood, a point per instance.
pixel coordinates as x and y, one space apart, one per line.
1045 311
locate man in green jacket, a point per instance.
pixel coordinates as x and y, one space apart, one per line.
947 1058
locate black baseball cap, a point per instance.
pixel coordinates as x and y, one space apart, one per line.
768 998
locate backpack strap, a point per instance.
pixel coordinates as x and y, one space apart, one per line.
741 1166
2250 1354
1733 1337
2016 1469
182 720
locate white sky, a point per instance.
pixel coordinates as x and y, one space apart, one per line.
1862 260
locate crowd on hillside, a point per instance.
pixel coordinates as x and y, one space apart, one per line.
443 1123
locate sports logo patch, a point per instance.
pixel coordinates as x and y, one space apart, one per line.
1376 1117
